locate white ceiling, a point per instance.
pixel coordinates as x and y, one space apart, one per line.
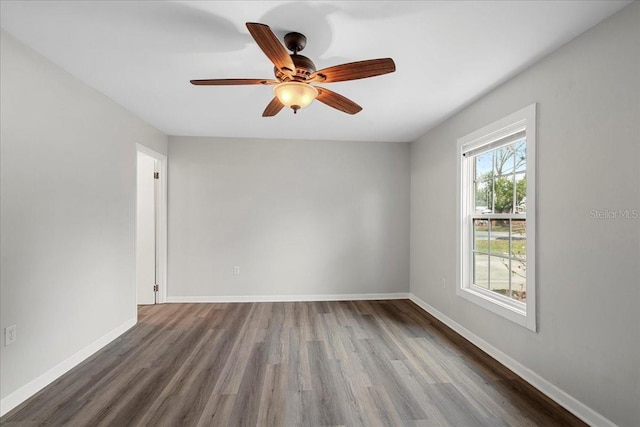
447 53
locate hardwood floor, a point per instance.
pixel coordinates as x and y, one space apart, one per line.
354 363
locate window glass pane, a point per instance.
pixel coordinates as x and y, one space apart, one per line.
482 179
481 270
519 239
503 194
518 280
499 275
520 155
504 160
482 195
499 237
484 164
519 259
521 193
481 235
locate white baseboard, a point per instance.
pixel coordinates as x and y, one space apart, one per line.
288 298
559 396
34 386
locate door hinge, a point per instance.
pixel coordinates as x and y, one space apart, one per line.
156 288
156 175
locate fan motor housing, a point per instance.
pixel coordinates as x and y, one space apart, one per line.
304 68
303 64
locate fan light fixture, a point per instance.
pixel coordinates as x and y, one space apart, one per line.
296 95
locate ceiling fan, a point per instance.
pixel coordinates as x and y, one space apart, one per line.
294 74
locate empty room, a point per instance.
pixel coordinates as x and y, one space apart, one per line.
320 213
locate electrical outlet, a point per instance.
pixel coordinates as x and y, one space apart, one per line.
444 282
236 269
9 334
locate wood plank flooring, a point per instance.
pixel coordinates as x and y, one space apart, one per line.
353 363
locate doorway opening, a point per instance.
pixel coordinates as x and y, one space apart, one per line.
151 226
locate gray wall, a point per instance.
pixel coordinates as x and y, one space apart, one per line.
297 217
588 270
68 213
314 217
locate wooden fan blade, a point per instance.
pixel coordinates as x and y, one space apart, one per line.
337 101
273 108
271 46
231 82
354 70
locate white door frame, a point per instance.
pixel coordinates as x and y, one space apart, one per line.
161 220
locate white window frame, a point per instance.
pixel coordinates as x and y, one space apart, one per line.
523 314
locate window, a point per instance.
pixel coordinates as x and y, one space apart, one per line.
496 255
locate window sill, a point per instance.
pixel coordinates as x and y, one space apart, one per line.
494 304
